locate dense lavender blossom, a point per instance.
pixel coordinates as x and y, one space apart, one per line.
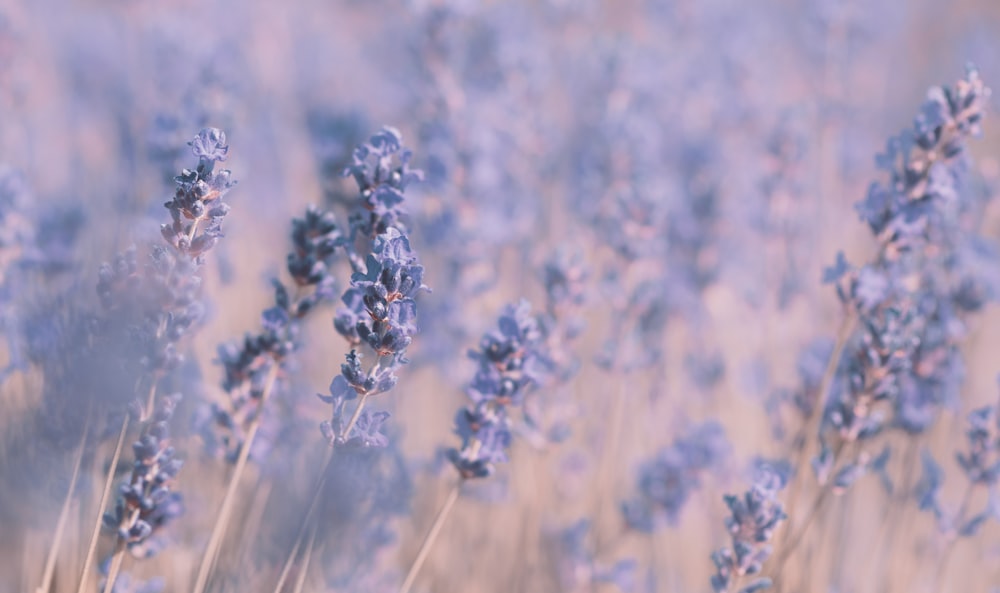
251 366
904 357
150 304
510 362
381 312
381 168
380 304
147 502
753 518
198 200
667 481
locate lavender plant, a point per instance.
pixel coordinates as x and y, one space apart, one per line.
901 362
510 363
752 521
697 155
156 304
379 311
253 368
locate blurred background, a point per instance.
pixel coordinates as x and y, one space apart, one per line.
740 135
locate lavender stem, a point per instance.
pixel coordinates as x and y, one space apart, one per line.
425 547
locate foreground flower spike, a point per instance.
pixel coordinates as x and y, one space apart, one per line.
381 312
198 198
753 518
153 304
907 301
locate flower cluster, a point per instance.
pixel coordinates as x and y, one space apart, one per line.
510 362
315 238
146 502
381 168
380 311
667 481
198 199
753 518
251 366
149 305
903 358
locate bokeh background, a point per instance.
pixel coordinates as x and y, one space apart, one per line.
747 131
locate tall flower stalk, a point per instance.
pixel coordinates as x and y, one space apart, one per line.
254 367
510 362
149 307
379 313
899 363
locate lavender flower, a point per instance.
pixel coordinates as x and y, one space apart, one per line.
198 198
381 168
147 502
903 358
754 516
380 307
510 363
667 481
249 366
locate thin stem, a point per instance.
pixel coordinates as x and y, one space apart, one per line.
290 561
354 416
312 506
92 547
50 563
815 417
119 557
428 542
942 567
788 547
116 566
304 569
222 522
